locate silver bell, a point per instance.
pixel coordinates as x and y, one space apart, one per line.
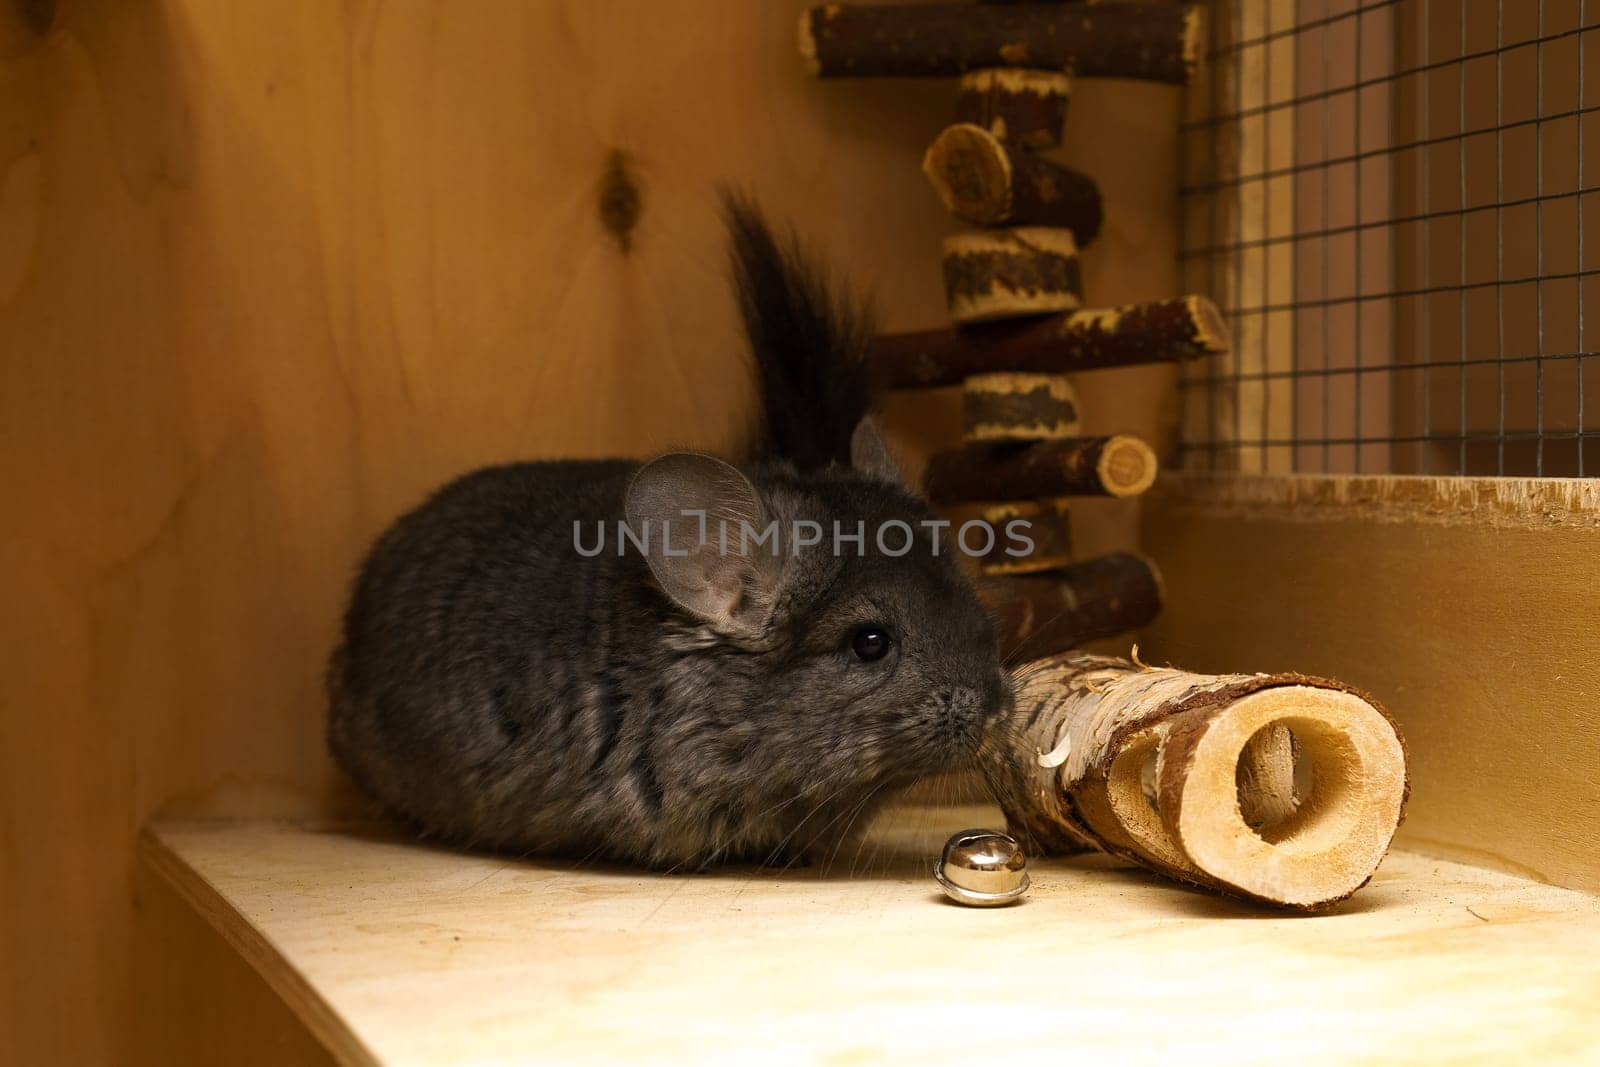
982 868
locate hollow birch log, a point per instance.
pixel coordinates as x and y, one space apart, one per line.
984 180
997 274
1038 615
1018 407
1026 107
1149 764
1188 327
1120 465
1154 42
1030 535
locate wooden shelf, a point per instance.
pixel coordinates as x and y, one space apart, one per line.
393 952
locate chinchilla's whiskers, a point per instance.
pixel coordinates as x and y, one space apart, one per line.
588 858
1026 671
844 835
507 861
1012 654
857 867
1009 727
778 848
823 829
856 859
808 817
651 914
1009 656
774 808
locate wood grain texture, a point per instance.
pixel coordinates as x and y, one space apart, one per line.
268 273
424 956
1477 632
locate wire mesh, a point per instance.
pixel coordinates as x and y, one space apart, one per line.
1390 201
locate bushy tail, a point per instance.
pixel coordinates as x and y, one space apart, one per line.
810 343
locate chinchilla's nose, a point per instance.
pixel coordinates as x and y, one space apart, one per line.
990 697
978 702
961 711
963 700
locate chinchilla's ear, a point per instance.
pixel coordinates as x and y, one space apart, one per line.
719 569
869 453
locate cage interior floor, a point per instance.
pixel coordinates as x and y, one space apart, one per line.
394 952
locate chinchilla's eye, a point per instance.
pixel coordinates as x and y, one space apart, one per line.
870 643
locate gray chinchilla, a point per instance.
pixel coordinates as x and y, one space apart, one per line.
676 707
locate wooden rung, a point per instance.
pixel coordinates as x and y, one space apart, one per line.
1030 536
985 180
1120 466
1006 406
1187 327
998 274
1042 614
1154 42
1026 107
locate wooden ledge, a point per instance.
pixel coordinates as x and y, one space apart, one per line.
392 952
1505 503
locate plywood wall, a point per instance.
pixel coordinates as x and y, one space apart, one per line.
270 271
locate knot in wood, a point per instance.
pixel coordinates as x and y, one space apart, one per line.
39 15
619 200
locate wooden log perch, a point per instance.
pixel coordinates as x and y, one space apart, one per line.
1121 465
1019 407
986 181
1044 524
996 274
1026 107
1188 327
1278 788
1155 42
1041 614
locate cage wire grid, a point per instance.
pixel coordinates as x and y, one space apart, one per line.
1389 200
